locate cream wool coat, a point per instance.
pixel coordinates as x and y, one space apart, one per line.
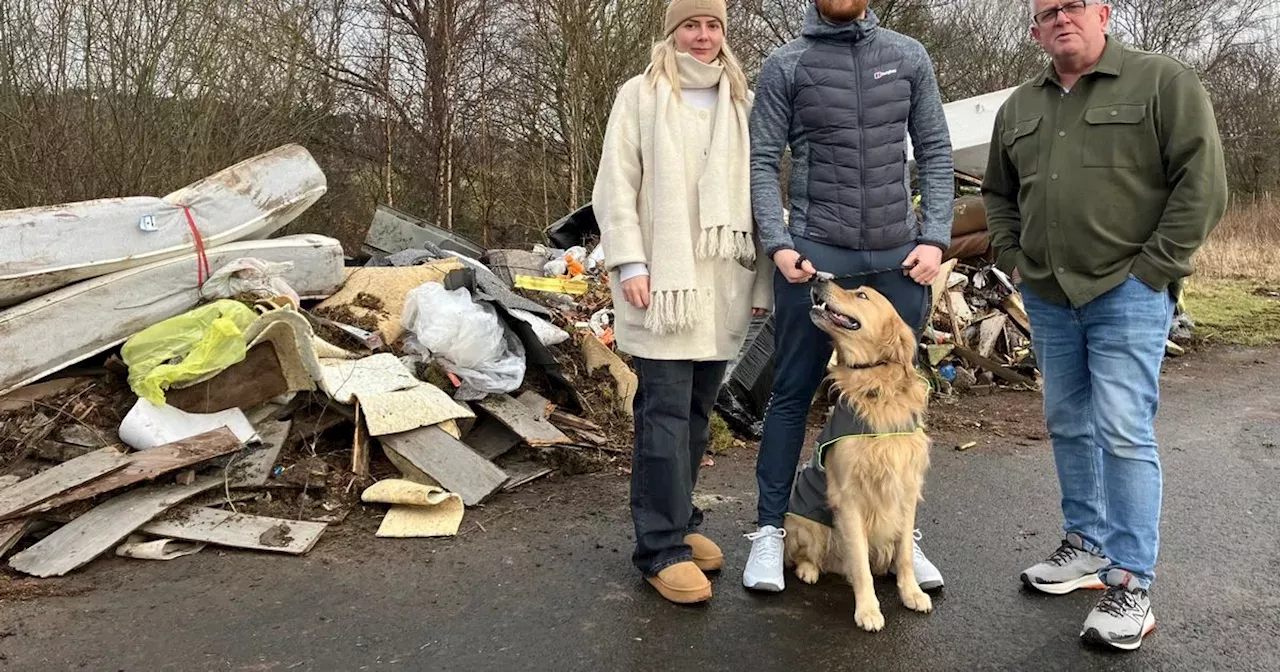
624 203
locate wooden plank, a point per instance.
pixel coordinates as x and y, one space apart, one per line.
994 367
150 464
574 422
252 469
237 530
989 334
536 431
450 462
539 404
254 380
491 438
953 313
11 532
360 446
56 480
102 528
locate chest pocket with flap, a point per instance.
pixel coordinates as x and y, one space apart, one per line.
1023 145
1115 136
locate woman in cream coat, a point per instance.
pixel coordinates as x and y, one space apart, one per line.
673 199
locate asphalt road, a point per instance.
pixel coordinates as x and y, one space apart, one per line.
546 584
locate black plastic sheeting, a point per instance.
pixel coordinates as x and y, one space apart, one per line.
574 228
744 396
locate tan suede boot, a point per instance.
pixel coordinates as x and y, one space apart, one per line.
706 555
682 583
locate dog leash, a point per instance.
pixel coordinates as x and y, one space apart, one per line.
823 276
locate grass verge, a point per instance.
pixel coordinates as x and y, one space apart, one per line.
1233 312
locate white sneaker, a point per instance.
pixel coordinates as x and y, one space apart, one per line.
764 565
927 575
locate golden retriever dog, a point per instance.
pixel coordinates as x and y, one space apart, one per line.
873 480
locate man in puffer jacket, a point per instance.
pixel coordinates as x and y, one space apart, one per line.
843 96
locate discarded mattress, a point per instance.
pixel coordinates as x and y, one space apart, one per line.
44 248
970 121
65 326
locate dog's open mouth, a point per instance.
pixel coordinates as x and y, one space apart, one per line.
826 312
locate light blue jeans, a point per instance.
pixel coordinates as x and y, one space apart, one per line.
1101 369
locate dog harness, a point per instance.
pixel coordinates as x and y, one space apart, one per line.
809 493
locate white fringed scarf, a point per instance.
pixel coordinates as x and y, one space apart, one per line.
724 198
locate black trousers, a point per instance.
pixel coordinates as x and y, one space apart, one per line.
672 411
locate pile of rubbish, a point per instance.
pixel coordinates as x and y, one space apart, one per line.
178 378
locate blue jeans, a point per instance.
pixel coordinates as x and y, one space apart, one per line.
1101 368
801 353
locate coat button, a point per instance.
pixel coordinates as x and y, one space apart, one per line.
1114 112
1062 134
1053 176
1062 270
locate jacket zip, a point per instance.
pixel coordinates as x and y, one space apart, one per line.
862 147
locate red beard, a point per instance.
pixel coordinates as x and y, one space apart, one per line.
842 11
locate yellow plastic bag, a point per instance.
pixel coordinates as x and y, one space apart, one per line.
187 347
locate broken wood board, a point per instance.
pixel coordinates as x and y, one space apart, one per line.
253 468
11 532
491 438
957 327
252 381
939 286
103 527
150 464
236 530
56 480
597 354
389 285
539 404
360 445
989 333
994 367
530 425
430 452
86 437
30 396
417 510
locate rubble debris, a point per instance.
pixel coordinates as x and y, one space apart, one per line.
103 527
390 285
30 396
236 530
598 355
417 510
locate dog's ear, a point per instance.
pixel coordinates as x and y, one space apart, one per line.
901 345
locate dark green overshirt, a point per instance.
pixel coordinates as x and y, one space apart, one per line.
1122 174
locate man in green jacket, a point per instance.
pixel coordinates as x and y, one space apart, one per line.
1105 176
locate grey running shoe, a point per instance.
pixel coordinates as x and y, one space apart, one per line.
1069 568
1122 616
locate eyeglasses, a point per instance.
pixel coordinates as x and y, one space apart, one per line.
1070 9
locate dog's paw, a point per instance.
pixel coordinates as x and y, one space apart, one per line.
917 600
869 618
807 572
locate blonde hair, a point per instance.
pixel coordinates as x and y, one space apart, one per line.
662 63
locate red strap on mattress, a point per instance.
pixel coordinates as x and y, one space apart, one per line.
202 261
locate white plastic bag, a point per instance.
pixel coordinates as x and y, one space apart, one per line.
468 338
249 275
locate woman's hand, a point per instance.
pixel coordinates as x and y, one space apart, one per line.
636 291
